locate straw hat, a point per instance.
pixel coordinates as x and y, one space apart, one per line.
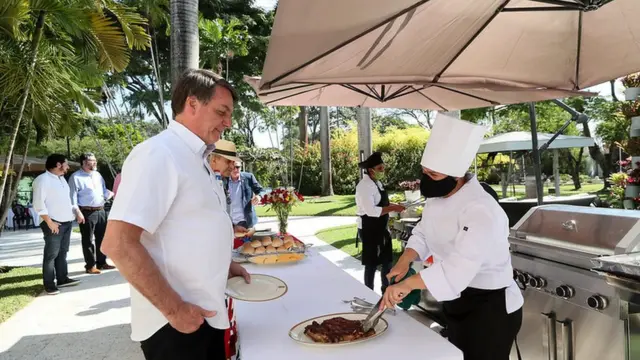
226 149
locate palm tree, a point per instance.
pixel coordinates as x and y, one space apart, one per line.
78 33
184 37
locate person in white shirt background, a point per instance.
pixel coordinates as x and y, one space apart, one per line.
373 208
52 202
170 235
222 161
466 231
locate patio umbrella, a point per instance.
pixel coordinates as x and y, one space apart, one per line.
552 44
441 97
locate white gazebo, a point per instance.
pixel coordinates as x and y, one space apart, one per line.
521 141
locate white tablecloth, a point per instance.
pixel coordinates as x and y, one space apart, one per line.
317 287
34 216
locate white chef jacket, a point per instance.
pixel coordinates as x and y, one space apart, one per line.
367 199
466 234
166 190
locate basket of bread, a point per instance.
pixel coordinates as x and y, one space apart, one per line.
272 250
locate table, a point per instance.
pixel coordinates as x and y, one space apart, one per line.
317 287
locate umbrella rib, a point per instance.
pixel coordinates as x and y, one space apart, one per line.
466 45
467 94
413 89
359 91
374 91
282 90
577 84
560 3
540 9
348 41
433 101
388 44
393 95
292 95
377 42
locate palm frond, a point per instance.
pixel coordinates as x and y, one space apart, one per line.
133 25
13 13
111 43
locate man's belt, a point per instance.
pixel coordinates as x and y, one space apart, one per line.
91 208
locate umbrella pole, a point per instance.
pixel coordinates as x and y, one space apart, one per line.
535 151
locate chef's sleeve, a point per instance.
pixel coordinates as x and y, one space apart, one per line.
365 199
447 278
417 241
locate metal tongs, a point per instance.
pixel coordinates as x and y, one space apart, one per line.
374 316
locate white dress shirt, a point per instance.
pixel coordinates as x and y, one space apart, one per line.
467 236
51 197
367 199
166 190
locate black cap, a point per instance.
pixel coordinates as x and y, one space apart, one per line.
372 161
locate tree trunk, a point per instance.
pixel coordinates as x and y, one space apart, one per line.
504 182
37 35
302 126
156 71
13 192
575 169
184 37
613 89
325 147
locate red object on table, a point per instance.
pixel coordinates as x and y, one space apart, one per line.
429 260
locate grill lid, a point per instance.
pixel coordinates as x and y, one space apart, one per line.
582 230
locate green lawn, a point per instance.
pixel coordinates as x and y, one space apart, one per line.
339 205
343 238
18 286
565 190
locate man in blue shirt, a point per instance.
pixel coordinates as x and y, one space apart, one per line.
89 193
243 190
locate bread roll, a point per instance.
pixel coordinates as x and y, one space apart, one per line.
247 249
256 243
288 245
270 249
288 239
266 241
260 250
276 242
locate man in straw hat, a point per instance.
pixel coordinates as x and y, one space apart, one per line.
373 208
222 161
465 230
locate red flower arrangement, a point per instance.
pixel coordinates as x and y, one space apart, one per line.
410 185
281 200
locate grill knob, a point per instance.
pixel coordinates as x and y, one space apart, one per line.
523 277
565 291
537 282
597 302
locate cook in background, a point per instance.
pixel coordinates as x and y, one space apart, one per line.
373 208
244 190
169 233
466 231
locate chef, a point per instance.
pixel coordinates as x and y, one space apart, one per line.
465 230
373 208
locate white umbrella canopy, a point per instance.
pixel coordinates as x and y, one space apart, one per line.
551 44
440 97
521 140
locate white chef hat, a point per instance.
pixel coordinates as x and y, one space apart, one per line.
452 146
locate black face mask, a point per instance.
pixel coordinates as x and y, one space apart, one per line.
430 188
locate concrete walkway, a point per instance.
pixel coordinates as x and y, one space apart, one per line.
91 321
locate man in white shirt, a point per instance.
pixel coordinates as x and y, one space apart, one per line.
52 202
170 235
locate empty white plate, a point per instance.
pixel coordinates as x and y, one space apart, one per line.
298 335
262 288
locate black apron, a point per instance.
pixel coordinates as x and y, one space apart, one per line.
478 324
376 239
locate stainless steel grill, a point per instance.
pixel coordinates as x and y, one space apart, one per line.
571 311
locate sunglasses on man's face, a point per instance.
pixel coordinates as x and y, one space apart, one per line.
237 167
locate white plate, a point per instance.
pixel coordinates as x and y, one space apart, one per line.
262 288
298 335
261 233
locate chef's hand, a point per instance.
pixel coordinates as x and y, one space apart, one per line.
394 294
188 318
236 269
399 271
